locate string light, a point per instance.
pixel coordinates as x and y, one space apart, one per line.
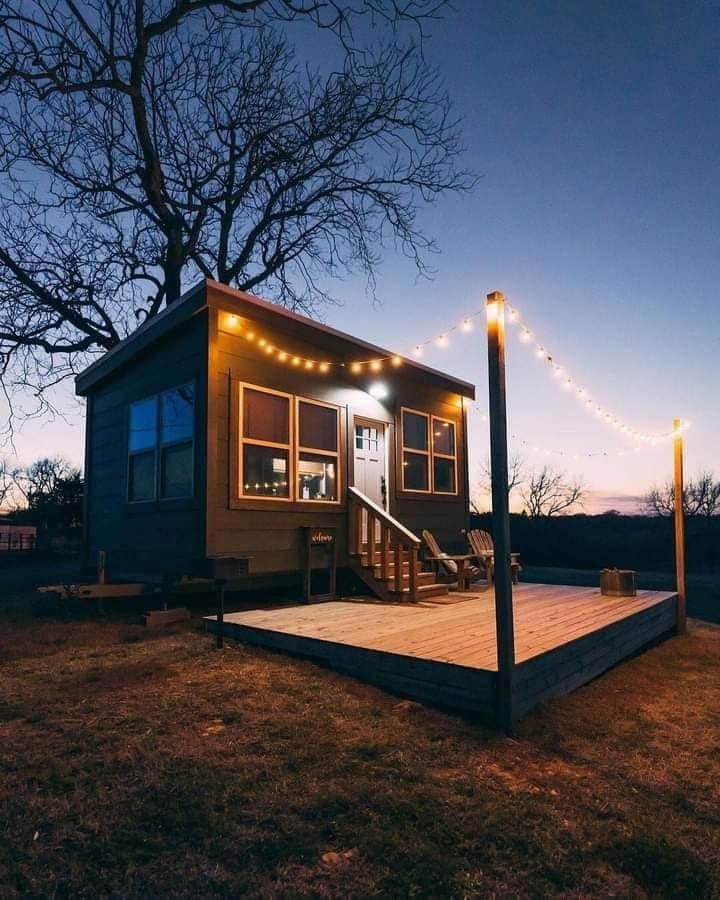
465 325
536 450
567 382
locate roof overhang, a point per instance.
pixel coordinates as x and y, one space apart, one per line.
211 294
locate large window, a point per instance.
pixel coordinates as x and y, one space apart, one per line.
160 446
429 453
289 447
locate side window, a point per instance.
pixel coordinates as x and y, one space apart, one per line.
176 442
141 448
160 446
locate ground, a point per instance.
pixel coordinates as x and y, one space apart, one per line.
136 763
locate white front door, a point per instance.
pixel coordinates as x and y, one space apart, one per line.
371 460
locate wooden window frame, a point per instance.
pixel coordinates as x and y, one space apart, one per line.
238 497
241 440
158 447
334 454
426 453
453 456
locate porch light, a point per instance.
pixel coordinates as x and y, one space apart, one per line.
378 390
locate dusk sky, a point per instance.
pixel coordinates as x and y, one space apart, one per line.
595 129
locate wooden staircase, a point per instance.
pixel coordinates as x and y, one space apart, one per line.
384 554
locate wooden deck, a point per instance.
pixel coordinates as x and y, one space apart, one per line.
446 654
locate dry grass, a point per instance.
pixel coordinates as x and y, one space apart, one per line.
144 765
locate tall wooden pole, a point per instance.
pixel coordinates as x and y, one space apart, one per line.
678 492
504 624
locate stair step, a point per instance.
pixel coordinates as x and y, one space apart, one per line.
422 577
432 590
424 591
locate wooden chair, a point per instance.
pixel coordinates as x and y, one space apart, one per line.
481 544
447 569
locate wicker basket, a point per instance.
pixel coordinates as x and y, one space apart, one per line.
618 583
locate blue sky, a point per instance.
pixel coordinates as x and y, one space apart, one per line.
595 129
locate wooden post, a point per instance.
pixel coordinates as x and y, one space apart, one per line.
504 623
220 591
101 566
678 493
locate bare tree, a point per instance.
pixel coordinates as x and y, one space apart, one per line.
42 477
145 143
701 497
6 482
482 488
551 493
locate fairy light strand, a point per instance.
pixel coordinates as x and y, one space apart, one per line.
541 451
528 338
464 325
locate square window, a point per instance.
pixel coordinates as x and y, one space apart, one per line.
176 414
317 477
266 417
141 476
415 431
143 424
265 472
318 427
443 437
415 472
176 476
444 475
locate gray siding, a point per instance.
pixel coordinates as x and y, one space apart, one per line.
164 535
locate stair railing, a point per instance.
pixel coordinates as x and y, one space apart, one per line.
375 534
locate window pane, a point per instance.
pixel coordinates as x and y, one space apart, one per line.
266 417
415 472
265 472
359 442
143 424
415 431
142 476
176 414
317 477
444 475
176 477
444 437
318 426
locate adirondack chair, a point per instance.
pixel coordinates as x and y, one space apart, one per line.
450 567
481 544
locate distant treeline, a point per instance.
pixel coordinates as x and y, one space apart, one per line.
644 543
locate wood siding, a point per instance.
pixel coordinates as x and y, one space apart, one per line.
268 531
160 536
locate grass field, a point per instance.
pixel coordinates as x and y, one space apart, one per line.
151 764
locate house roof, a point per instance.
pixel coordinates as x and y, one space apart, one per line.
209 293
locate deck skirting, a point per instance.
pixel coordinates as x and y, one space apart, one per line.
564 638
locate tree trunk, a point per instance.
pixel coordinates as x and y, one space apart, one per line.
173 269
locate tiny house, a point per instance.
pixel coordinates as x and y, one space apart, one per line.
226 426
